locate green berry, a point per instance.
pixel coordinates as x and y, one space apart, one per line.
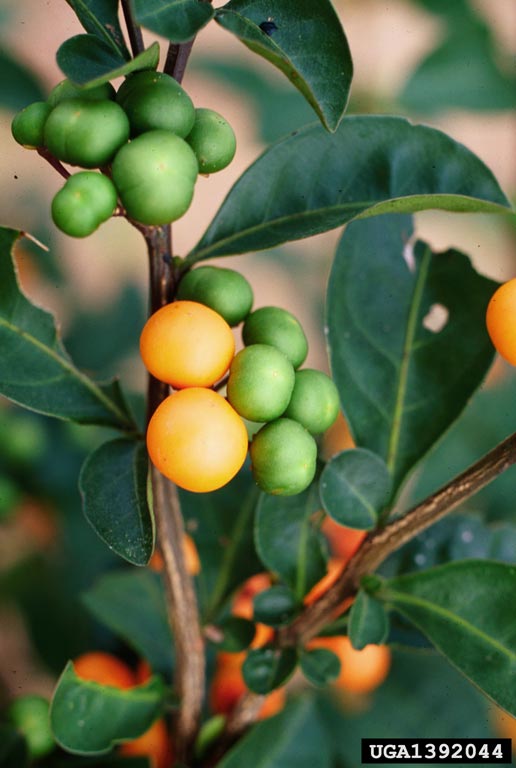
29 124
213 141
85 201
280 329
283 457
261 380
224 290
314 402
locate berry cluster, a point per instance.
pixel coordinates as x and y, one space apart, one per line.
196 437
147 140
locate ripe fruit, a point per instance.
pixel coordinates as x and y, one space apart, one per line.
224 290
154 100
501 320
155 176
105 669
67 90
85 201
187 345
283 457
361 671
86 132
260 382
154 743
343 541
314 402
197 440
28 125
30 715
279 328
228 687
213 141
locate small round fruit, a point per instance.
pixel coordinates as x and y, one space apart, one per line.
279 328
155 744
86 200
360 671
155 100
501 320
187 344
197 440
224 290
283 457
86 132
28 125
104 669
260 384
30 714
155 176
213 141
314 402
67 90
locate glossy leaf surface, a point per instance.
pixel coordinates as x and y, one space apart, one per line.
268 668
100 18
368 621
86 60
320 666
176 20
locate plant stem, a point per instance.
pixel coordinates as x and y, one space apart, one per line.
181 598
133 30
54 162
177 58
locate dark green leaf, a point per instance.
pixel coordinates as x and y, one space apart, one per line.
86 60
268 668
132 605
464 608
111 714
320 666
13 748
18 85
276 606
36 371
355 486
300 27
402 384
295 737
113 485
237 634
288 539
100 18
176 20
371 165
368 621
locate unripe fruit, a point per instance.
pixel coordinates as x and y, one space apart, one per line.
280 329
86 132
224 290
501 320
283 457
28 125
197 440
260 384
30 714
155 100
86 200
68 90
314 402
155 176
213 141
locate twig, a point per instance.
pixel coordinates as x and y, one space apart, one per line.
54 162
177 57
133 30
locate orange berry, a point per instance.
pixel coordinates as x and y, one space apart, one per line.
501 320
104 668
155 744
187 344
243 600
361 671
343 541
503 724
337 438
335 568
197 440
193 563
143 672
228 687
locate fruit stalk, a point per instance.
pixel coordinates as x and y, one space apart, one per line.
181 598
133 30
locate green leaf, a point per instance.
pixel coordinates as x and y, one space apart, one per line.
268 668
113 485
237 634
13 748
100 18
295 737
400 383
288 540
132 605
355 486
276 606
320 666
370 165
300 28
464 608
112 714
18 85
176 20
36 371
86 60
368 621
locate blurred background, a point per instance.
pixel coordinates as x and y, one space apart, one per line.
448 64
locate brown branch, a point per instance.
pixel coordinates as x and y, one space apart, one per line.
133 30
54 162
177 58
